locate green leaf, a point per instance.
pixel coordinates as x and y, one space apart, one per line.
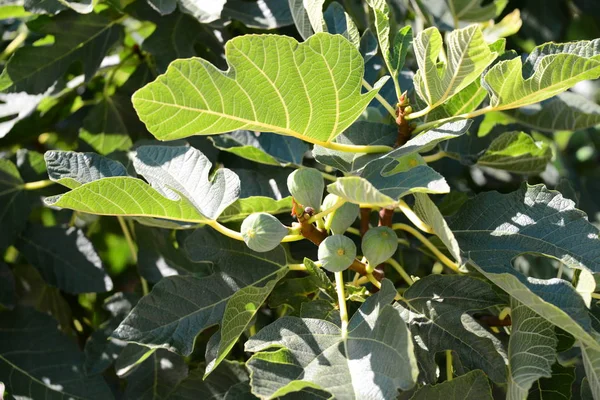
538 221
203 11
431 215
183 171
72 169
513 83
531 350
14 203
60 254
437 303
266 148
158 257
78 38
230 296
591 362
241 208
374 360
468 56
308 16
104 128
474 11
42 362
558 387
565 111
14 107
262 14
157 376
516 152
339 22
471 386
214 387
195 98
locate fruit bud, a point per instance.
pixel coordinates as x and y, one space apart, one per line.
262 232
337 253
306 186
379 244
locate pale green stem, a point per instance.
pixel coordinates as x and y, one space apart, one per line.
379 98
414 218
595 295
296 267
432 124
449 369
504 313
560 270
238 236
329 177
328 211
132 251
396 265
435 157
377 284
37 185
441 256
339 286
14 45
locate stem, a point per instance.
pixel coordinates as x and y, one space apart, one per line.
377 284
328 211
379 98
423 127
414 218
12 46
441 256
339 287
329 177
449 373
504 313
132 251
401 271
351 148
595 295
435 157
296 267
37 185
560 270
225 230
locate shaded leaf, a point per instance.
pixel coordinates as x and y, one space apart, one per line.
471 386
14 107
105 129
261 14
315 354
14 203
516 152
215 387
339 22
230 296
7 287
558 387
65 258
83 38
42 362
194 97
156 376
72 169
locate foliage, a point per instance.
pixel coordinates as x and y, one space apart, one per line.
353 200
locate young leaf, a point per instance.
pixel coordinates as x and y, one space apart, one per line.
471 386
176 171
531 350
229 297
468 56
436 303
513 83
315 354
60 255
41 361
195 98
565 111
83 38
535 220
516 152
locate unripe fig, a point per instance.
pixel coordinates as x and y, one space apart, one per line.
379 244
306 186
336 253
262 232
341 219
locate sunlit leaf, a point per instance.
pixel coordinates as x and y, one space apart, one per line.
516 152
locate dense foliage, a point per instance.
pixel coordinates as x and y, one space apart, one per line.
234 199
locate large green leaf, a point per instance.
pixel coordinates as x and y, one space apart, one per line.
184 171
14 204
492 229
65 258
439 315
230 296
514 83
591 363
373 361
531 350
566 111
471 386
83 38
39 362
273 84
516 152
468 56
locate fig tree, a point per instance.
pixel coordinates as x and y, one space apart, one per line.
262 232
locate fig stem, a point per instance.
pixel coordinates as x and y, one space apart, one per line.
340 202
339 288
449 370
238 236
414 218
396 265
377 284
296 267
435 156
441 256
380 99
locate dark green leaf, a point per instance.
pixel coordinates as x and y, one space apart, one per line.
558 387
157 376
262 14
215 387
471 386
7 287
14 203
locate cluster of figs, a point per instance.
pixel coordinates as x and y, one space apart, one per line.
263 232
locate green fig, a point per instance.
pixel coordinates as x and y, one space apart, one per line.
306 186
379 244
342 218
337 253
262 232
